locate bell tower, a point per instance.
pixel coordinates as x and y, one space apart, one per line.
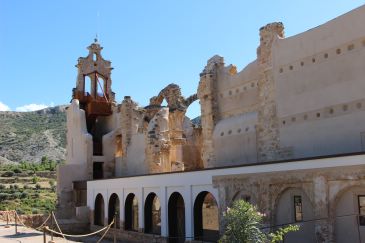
93 90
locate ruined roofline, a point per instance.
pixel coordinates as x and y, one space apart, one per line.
244 165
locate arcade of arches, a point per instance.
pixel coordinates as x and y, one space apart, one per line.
206 211
194 209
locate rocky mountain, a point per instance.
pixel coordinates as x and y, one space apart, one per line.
27 136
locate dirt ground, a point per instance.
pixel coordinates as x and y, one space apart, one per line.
27 235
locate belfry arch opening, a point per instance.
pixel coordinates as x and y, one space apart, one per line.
114 210
206 224
131 213
87 86
152 214
176 218
99 210
101 87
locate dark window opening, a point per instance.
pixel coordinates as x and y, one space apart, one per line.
176 218
131 213
98 170
114 211
298 209
206 225
99 210
361 200
152 214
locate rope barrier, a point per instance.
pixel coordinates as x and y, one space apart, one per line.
54 217
84 235
38 228
102 237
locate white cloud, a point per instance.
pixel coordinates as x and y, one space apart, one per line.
31 107
4 107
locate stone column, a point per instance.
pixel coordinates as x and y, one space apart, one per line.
164 208
189 212
176 119
323 226
209 107
267 126
140 198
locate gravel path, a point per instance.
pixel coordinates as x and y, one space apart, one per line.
26 235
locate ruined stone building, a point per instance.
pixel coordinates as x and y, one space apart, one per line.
286 133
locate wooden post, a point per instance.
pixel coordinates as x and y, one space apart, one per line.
51 225
7 220
51 241
16 222
115 227
44 234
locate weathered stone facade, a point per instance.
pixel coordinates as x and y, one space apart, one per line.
286 133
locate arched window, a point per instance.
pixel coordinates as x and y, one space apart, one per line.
114 210
99 210
152 214
176 216
292 206
206 225
131 212
87 85
100 86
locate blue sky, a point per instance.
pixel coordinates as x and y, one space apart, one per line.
151 43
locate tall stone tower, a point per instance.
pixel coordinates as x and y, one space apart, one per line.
209 107
268 125
91 120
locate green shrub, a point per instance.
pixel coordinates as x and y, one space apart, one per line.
8 174
4 196
38 186
51 183
35 211
23 195
244 225
17 170
2 186
35 179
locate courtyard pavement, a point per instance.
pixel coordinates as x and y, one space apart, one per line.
27 235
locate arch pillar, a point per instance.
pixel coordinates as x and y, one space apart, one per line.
106 207
141 201
189 213
121 208
323 226
164 207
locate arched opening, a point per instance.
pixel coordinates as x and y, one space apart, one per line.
100 86
293 206
350 215
206 225
192 133
242 195
87 85
176 216
114 210
194 110
99 210
131 212
152 214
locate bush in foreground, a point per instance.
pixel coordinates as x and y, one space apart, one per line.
244 222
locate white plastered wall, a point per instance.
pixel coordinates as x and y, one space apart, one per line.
235 140
320 83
